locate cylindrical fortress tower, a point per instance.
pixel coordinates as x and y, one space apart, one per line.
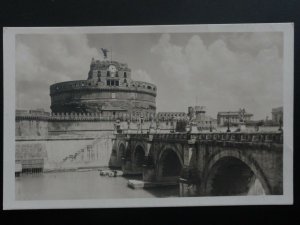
108 90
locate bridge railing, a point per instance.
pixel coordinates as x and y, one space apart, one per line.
258 137
241 137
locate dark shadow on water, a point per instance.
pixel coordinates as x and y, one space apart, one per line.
160 192
133 176
164 192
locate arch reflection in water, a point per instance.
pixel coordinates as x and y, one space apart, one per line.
230 176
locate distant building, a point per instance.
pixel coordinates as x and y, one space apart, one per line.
233 117
197 114
163 116
277 115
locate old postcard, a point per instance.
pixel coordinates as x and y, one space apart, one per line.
148 116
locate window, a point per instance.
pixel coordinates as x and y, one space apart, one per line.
108 82
108 74
125 75
125 81
117 74
112 83
117 83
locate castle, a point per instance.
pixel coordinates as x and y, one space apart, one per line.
109 90
89 107
83 119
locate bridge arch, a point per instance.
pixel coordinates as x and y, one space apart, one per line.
138 156
230 172
121 152
169 164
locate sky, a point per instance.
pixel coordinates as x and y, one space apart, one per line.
222 71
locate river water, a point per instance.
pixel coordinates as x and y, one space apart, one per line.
82 185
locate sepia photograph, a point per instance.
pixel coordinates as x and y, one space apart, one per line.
150 116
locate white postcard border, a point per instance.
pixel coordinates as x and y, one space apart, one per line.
9 201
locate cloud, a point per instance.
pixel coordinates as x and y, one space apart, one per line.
223 78
254 42
42 60
141 75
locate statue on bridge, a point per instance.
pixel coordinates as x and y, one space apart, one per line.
242 113
242 126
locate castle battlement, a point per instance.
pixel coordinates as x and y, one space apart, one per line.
90 85
46 116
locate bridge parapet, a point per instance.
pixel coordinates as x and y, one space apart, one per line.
258 137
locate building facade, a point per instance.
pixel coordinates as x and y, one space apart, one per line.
197 115
108 90
277 115
232 117
163 116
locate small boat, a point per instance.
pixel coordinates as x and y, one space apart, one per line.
119 173
104 172
111 173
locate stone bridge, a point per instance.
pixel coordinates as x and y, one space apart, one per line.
205 164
